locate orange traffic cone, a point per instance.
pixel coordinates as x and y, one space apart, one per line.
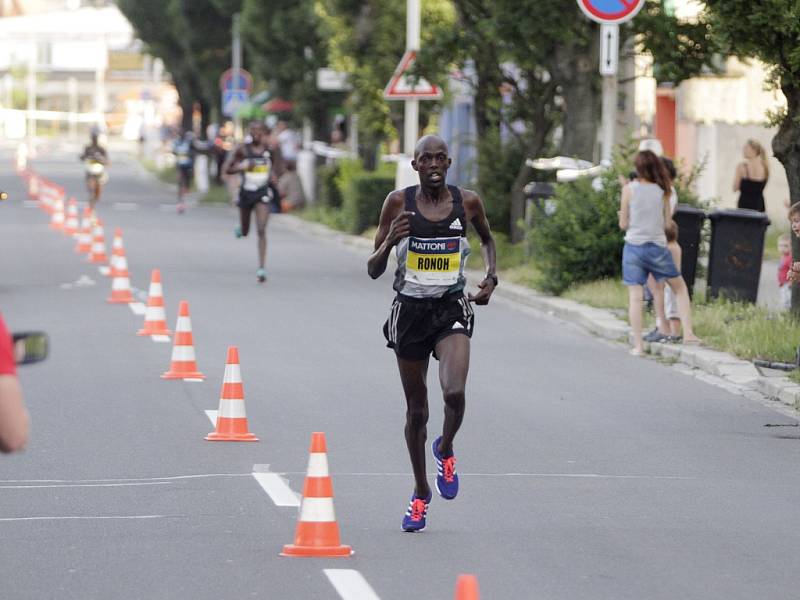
467 588
155 321
120 284
57 218
317 532
71 223
231 417
183 365
33 187
84 235
117 254
97 255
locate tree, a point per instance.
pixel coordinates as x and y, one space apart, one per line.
286 47
770 32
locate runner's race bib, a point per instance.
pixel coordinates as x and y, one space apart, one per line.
256 177
433 261
94 168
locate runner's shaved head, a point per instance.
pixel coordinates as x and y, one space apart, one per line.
430 143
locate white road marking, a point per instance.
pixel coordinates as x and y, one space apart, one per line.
104 271
137 308
167 207
125 206
163 339
532 475
168 478
192 380
78 485
85 518
30 204
276 487
212 416
350 584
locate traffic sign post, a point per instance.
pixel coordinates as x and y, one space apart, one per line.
610 14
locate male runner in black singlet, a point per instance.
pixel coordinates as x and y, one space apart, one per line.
95 161
257 192
427 225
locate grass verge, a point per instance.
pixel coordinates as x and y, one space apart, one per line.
216 194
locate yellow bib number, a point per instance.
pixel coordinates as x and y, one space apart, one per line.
433 261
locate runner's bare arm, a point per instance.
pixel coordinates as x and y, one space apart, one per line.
392 227
473 206
233 165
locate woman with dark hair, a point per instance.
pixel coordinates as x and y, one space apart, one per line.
644 214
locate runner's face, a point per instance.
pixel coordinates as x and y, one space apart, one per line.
432 164
257 133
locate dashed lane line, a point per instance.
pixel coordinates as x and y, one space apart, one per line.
125 206
350 584
212 416
275 486
162 339
137 308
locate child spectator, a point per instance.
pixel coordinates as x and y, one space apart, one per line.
785 250
793 276
670 301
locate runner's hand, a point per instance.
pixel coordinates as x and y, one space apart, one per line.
482 297
399 229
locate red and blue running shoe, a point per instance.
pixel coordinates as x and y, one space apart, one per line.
446 476
414 519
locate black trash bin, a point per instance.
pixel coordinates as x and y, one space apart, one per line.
690 228
737 249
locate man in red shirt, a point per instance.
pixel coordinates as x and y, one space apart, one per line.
13 415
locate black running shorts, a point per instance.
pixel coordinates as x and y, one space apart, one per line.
248 199
416 325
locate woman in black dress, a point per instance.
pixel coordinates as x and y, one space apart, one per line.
752 175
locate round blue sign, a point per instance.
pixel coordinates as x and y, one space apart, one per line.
611 11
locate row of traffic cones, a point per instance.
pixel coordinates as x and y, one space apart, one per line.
317 532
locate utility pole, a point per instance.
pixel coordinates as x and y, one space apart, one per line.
411 120
236 62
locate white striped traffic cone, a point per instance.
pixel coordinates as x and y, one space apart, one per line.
120 284
84 236
155 321
57 218
183 364
317 532
467 588
71 223
97 255
231 416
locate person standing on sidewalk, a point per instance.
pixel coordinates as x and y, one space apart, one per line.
751 177
426 225
644 213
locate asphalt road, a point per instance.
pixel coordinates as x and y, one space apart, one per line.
586 473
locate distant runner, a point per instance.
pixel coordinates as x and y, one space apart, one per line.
427 224
184 150
95 161
257 192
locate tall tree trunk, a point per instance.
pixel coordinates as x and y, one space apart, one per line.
575 69
786 147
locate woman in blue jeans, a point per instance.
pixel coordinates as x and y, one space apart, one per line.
643 215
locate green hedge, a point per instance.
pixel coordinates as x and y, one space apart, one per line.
581 240
328 193
363 198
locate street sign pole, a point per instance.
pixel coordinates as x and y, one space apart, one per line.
609 54
411 120
609 14
236 66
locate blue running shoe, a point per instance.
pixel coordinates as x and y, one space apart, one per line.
414 519
238 233
446 477
261 274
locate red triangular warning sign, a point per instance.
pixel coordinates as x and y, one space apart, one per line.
403 87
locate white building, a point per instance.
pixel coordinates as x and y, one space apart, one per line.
71 68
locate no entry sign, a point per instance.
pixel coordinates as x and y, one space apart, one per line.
610 12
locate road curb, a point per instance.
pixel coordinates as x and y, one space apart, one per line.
741 374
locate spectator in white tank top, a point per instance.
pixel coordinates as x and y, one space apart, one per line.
644 213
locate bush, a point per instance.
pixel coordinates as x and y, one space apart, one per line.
363 199
581 240
328 193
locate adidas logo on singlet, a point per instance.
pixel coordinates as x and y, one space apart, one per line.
456 225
